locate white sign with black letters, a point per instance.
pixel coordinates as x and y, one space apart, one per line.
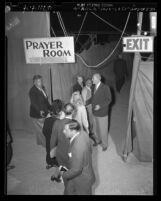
138 44
49 50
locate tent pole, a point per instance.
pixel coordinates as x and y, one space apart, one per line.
51 86
136 65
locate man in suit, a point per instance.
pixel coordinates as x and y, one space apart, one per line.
79 85
80 177
58 141
39 107
100 106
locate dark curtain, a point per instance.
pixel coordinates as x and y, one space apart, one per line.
140 138
20 74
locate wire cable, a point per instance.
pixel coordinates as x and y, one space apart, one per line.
53 31
109 24
112 50
61 19
61 23
81 27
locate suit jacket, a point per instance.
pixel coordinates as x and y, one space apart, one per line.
38 102
77 87
58 139
80 173
102 97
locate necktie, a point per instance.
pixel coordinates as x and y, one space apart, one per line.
95 89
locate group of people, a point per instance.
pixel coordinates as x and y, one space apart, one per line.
65 130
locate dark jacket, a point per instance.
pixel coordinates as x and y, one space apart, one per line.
58 139
80 177
38 102
78 87
101 97
47 130
120 68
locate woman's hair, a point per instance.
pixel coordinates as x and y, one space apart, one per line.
56 106
79 98
74 125
68 108
36 77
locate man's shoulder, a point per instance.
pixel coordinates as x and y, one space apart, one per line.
61 121
82 138
33 89
104 86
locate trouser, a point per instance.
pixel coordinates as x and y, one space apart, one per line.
119 83
48 158
90 117
40 138
71 188
92 135
101 130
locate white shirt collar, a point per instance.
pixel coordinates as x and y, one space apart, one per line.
98 85
42 91
88 88
74 137
68 117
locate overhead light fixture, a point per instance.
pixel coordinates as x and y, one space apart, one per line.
145 33
153 22
12 23
79 15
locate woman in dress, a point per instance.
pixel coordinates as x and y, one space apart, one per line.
80 111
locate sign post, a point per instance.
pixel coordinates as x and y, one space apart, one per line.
136 64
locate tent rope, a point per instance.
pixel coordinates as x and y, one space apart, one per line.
81 27
61 23
109 24
53 31
61 19
107 58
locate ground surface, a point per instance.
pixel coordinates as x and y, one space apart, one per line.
113 176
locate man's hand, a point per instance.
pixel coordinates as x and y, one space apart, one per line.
97 107
42 113
61 173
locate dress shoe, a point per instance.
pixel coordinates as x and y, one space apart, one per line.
57 179
104 148
95 144
92 136
52 162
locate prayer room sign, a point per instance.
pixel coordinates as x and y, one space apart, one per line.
49 50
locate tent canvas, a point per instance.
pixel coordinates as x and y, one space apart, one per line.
19 74
139 138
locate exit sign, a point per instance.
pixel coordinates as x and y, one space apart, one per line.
138 44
